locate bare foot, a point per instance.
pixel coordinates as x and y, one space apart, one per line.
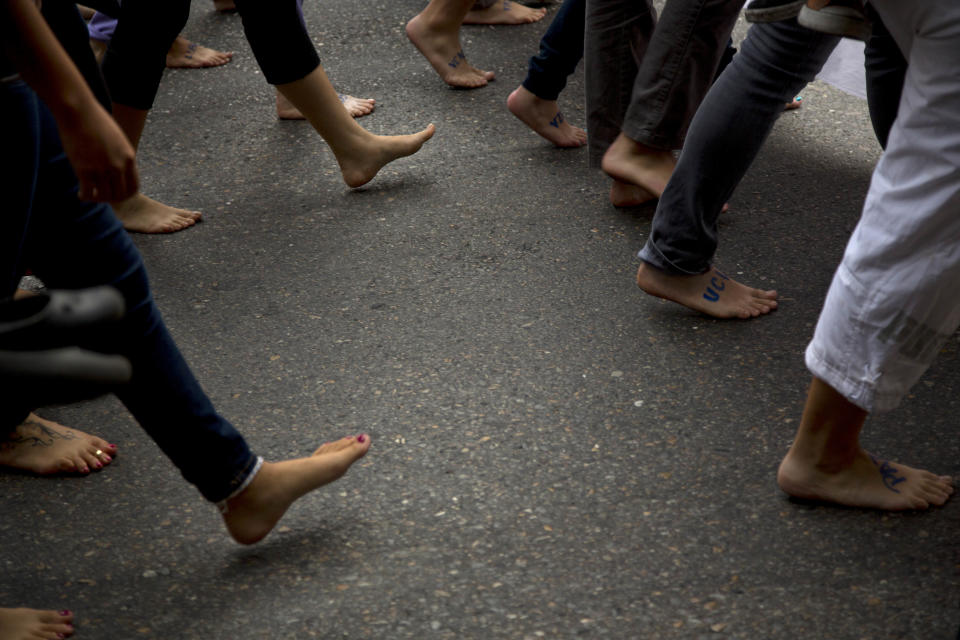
504 12
629 161
224 5
544 117
361 162
46 448
624 194
796 103
711 293
356 107
141 214
863 481
251 515
184 54
445 54
33 624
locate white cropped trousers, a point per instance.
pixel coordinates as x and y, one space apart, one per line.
895 299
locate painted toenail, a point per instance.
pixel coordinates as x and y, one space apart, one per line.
361 438
65 612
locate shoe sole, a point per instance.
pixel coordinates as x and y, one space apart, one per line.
774 14
837 21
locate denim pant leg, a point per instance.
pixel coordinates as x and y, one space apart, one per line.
560 51
775 62
677 70
886 68
617 33
71 244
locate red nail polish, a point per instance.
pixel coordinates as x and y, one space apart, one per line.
112 446
65 612
107 458
361 438
97 465
85 470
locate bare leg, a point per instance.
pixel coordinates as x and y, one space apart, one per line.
359 153
435 32
224 5
46 448
634 163
711 293
31 624
356 107
827 463
184 54
504 12
140 213
251 515
544 117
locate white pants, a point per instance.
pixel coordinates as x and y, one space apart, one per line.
895 299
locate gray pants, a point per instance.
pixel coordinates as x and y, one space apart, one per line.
646 77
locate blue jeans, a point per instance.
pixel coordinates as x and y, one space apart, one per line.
775 62
647 78
71 244
561 48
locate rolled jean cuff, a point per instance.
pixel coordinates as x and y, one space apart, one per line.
241 482
652 256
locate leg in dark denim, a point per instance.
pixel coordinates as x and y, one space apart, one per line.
775 62
677 70
560 51
886 69
70 244
137 54
615 42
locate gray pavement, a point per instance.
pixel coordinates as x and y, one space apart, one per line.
555 455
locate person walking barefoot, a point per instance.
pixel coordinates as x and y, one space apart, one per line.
435 32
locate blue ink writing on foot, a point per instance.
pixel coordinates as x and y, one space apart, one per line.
455 62
888 473
719 286
557 120
711 295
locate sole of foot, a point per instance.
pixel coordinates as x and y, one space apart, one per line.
864 481
505 12
633 163
624 194
445 54
362 164
46 448
252 514
545 118
141 214
711 293
31 624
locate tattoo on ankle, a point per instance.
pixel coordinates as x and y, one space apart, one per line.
34 434
888 473
557 120
455 61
